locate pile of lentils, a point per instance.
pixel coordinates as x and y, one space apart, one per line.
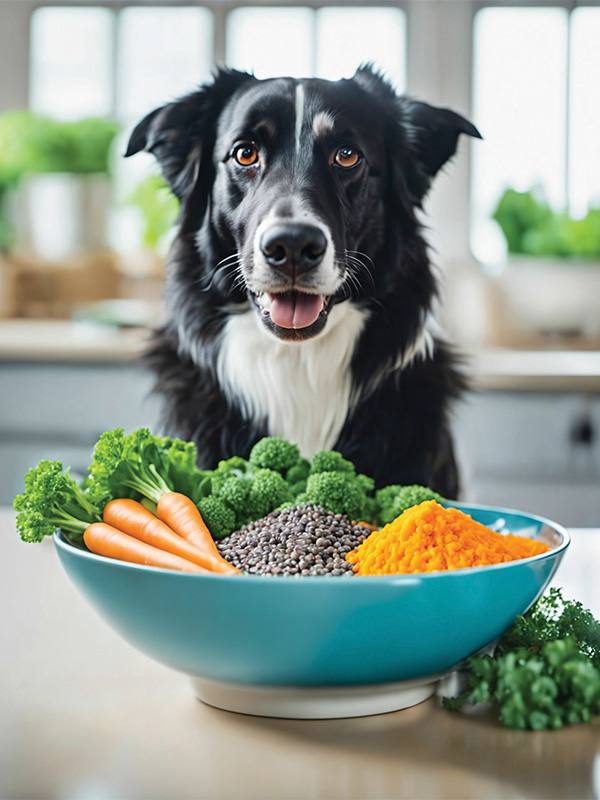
303 540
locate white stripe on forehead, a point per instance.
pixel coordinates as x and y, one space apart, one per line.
299 113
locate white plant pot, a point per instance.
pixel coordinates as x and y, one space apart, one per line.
66 214
552 295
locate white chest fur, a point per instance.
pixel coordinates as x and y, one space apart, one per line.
301 389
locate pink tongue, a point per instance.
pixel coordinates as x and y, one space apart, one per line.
295 309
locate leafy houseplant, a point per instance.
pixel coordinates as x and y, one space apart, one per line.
159 208
531 227
551 281
33 145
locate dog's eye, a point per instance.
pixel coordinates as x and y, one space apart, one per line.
346 157
246 154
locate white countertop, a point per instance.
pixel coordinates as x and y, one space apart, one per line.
491 368
84 715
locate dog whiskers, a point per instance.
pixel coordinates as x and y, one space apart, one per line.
355 257
231 264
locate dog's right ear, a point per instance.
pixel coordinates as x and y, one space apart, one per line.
181 135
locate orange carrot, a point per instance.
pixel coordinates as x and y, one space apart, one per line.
132 518
104 540
182 516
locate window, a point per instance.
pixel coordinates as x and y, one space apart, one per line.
584 111
162 54
102 61
535 75
328 43
71 62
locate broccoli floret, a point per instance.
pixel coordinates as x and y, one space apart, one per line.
395 499
336 491
234 493
273 452
51 500
298 472
297 476
236 465
330 461
219 518
268 490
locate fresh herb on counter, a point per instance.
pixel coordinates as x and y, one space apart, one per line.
545 672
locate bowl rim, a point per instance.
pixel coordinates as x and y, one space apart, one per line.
62 543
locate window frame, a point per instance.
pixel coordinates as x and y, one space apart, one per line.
443 28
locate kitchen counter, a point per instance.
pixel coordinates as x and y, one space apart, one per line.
85 715
64 341
492 368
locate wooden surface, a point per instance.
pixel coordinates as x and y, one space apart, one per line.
83 715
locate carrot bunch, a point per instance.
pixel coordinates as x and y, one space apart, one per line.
175 538
137 503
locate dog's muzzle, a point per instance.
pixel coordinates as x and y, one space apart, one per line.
294 249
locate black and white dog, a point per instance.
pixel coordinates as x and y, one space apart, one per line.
299 286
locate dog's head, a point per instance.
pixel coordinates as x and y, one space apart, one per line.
300 184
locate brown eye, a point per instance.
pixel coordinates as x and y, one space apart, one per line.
346 157
246 155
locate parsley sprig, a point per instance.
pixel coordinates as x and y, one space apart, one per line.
545 672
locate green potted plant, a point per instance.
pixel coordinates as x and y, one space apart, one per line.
551 280
62 171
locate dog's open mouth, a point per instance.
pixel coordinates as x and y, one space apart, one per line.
293 310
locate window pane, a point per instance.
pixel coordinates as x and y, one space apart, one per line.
584 138
348 37
271 41
71 62
519 72
163 53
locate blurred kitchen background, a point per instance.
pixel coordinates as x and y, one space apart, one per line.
514 221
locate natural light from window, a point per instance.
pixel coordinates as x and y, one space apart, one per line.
327 43
519 105
71 62
162 54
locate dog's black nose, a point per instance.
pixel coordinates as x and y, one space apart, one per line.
293 248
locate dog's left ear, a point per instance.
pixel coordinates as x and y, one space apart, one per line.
435 133
430 133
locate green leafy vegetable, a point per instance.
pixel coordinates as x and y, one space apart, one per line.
297 476
219 518
394 499
331 461
142 465
545 672
51 500
336 491
273 452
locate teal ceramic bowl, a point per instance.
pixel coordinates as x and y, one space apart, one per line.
317 632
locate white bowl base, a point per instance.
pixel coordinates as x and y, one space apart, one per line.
314 702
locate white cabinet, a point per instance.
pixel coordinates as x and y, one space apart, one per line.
58 411
528 450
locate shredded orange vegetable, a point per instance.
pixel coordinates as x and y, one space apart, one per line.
429 538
